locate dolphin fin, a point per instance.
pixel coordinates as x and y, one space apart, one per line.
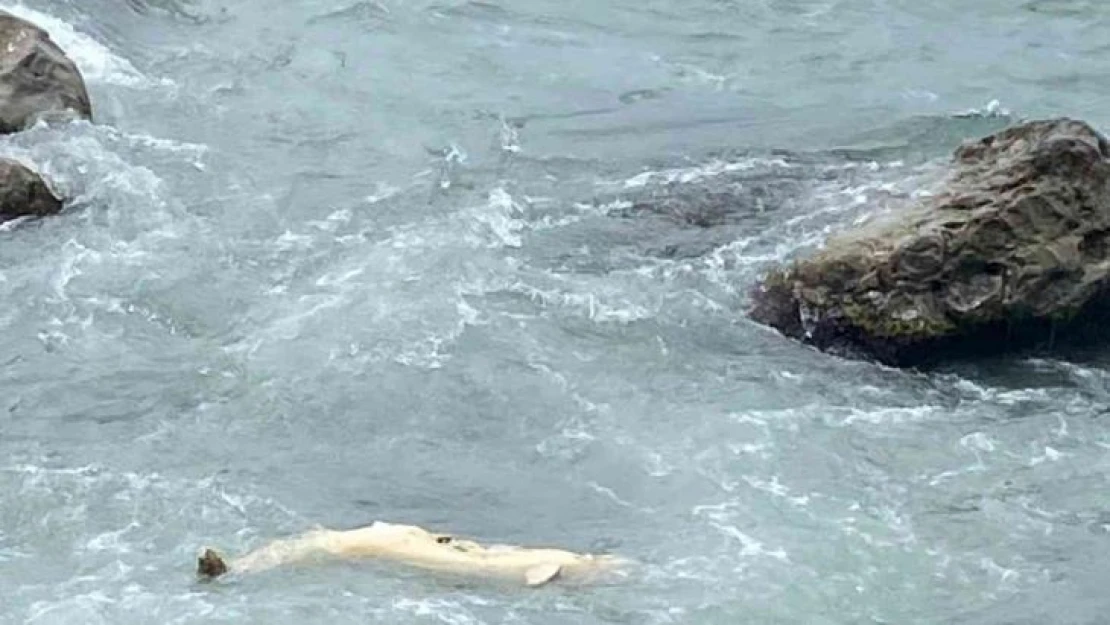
541 574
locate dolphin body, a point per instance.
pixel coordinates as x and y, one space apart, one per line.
417 547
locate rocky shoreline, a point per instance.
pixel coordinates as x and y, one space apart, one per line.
38 83
1013 251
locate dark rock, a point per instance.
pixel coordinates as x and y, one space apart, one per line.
1014 251
23 193
37 80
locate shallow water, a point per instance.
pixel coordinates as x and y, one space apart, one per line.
332 261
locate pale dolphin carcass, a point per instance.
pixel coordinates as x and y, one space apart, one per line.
417 547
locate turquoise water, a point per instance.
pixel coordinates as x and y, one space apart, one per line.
332 261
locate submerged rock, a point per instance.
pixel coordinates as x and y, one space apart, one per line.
23 193
1015 250
37 79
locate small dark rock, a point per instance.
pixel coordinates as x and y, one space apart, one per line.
23 193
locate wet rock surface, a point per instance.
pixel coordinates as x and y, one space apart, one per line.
1015 250
23 193
37 79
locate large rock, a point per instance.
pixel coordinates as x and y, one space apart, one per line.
1014 250
23 193
37 80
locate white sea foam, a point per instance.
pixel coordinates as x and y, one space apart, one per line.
139 140
451 612
722 518
422 332
501 218
609 493
712 169
890 415
599 307
993 108
95 60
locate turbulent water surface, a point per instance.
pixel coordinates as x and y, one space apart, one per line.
480 266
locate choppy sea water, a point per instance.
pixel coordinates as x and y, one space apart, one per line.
331 261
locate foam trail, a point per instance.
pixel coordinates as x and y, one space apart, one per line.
96 62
